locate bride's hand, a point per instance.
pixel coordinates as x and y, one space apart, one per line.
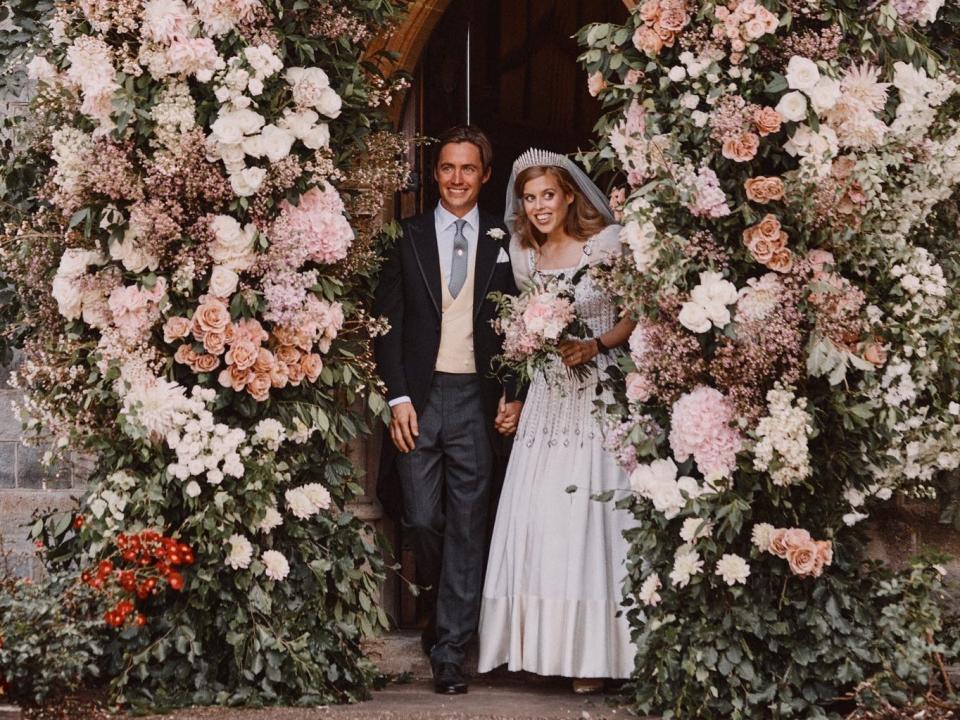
577 352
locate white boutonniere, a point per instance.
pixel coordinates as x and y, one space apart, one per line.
496 233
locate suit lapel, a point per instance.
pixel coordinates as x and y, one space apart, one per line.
487 251
424 243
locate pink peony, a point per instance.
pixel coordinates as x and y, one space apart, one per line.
700 426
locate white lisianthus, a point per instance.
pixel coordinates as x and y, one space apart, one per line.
694 529
223 281
272 519
793 106
248 181
252 146
733 569
700 118
74 262
648 590
69 297
300 123
240 553
131 253
686 565
760 536
275 565
317 137
824 95
802 73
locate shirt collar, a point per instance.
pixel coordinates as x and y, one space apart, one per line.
445 218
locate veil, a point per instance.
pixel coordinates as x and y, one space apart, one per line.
535 157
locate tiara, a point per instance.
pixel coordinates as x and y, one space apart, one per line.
535 157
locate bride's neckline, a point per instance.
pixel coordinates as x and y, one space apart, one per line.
585 252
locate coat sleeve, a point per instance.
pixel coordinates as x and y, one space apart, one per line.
388 303
513 389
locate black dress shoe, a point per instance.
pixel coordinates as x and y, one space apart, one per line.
428 638
448 679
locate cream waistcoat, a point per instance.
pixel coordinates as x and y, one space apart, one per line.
456 327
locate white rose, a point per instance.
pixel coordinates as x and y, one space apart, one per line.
131 254
318 137
231 127
192 489
329 103
793 106
233 245
299 123
677 73
694 317
246 182
223 281
68 296
854 497
255 86
252 146
802 73
314 75
231 153
852 518
824 94
74 262
276 142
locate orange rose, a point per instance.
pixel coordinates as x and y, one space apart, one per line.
242 354
782 260
185 355
232 377
741 149
875 353
803 559
764 189
212 316
767 120
647 41
205 363
278 375
294 374
175 328
259 386
311 365
288 354
215 343
265 361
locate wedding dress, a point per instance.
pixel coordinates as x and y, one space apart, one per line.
557 560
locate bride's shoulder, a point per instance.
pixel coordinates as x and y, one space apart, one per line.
520 260
605 244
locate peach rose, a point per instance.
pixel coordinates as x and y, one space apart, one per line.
647 41
242 354
761 249
650 11
875 353
185 355
797 537
294 374
215 343
767 120
304 339
175 328
205 363
666 36
312 365
764 189
212 316
596 84
232 377
769 227
778 542
824 553
265 361
283 335
288 354
741 149
782 261
803 559
230 333
259 386
278 375
252 330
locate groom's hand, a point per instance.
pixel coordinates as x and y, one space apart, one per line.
508 416
404 430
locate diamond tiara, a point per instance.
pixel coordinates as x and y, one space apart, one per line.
535 157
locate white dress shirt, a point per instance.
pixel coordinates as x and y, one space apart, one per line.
446 227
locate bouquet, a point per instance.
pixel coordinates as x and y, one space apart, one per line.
534 324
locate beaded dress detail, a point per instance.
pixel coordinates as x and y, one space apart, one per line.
558 560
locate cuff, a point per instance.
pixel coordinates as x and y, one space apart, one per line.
397 401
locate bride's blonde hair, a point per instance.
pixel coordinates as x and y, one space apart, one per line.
583 220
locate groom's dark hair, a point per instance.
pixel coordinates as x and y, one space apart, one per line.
470 134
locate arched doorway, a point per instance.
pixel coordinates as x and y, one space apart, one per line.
510 67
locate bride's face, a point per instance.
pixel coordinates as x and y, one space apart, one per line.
545 203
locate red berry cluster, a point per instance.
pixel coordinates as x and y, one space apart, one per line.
154 559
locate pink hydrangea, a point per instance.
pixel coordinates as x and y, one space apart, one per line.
131 307
708 198
700 425
315 229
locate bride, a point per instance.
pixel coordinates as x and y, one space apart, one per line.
557 560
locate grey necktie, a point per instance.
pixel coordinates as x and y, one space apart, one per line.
458 267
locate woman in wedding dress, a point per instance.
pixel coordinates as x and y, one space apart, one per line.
557 560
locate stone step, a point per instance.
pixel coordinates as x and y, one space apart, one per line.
9 712
399 653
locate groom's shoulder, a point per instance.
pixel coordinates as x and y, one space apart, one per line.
491 220
416 223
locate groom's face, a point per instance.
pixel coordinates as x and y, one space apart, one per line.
460 175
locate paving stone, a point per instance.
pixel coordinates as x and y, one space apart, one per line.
8 464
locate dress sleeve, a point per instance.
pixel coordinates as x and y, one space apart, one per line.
520 261
605 245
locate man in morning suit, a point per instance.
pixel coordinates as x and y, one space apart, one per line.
445 406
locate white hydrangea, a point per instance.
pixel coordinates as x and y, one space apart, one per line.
733 569
782 436
240 554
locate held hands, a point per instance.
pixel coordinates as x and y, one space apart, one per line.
508 416
577 352
404 429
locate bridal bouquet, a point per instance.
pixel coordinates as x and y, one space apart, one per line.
533 324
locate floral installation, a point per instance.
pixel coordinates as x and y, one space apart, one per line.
783 171
191 253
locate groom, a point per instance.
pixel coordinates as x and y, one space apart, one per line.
445 406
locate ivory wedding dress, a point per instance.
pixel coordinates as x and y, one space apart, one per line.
557 560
